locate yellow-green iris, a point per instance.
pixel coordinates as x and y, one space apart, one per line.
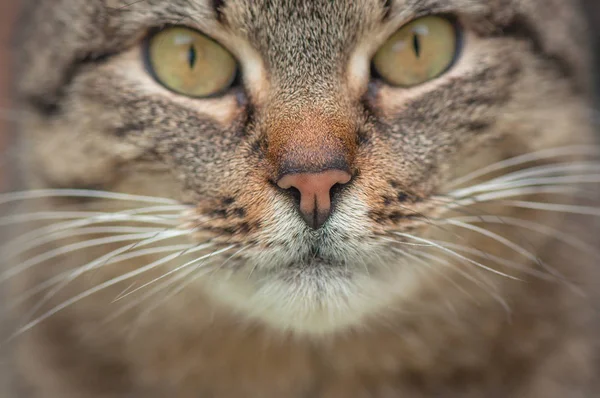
419 51
190 63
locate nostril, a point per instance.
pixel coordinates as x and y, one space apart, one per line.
335 191
295 194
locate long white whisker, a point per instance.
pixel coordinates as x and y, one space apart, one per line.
509 193
131 216
554 207
578 150
499 260
549 170
120 258
159 288
199 273
150 293
46 215
91 291
81 193
482 284
533 226
532 182
509 264
60 215
192 265
78 246
447 263
179 268
506 242
99 262
454 254
415 255
7 253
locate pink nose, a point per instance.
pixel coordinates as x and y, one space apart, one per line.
315 196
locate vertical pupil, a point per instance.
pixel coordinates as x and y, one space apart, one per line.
417 45
192 56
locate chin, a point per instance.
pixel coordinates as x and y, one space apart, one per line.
317 297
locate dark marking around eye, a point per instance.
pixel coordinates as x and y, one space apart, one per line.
228 201
417 45
192 56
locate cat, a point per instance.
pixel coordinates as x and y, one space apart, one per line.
276 198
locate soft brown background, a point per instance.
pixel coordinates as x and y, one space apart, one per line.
7 9
7 16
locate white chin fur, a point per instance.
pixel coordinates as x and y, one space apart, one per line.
315 301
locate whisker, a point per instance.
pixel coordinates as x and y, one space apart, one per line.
482 284
102 261
549 170
454 254
508 243
6 253
79 246
576 150
91 291
533 226
498 195
82 193
193 266
554 207
501 261
132 216
125 291
387 239
199 270
47 215
120 258
161 287
179 268
426 273
61 215
153 292
532 182
416 256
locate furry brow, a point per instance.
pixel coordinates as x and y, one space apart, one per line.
218 6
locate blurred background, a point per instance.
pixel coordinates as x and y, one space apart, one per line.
7 18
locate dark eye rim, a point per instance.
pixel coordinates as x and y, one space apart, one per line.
460 41
235 81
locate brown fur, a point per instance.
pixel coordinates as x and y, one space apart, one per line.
290 311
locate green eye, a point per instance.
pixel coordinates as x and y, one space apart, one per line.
189 62
419 51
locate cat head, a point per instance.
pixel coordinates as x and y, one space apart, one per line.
314 140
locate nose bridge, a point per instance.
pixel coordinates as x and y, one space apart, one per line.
311 140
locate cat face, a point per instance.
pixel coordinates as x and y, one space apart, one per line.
314 161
